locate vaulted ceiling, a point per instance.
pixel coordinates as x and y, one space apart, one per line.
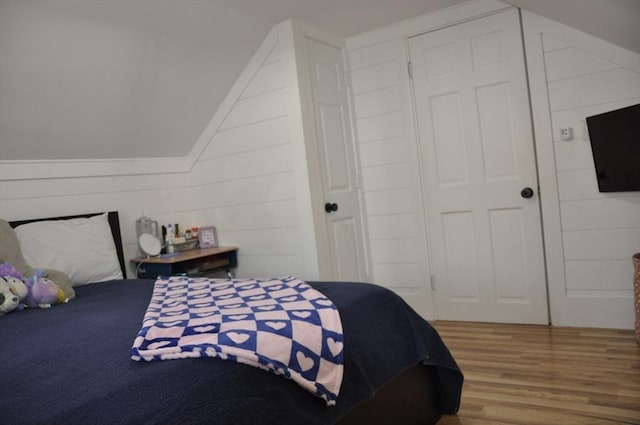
87 79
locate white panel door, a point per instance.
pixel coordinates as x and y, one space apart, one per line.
477 151
335 144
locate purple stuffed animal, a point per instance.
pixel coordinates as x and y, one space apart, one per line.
43 292
7 269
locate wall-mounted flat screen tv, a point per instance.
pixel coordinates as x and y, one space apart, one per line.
615 143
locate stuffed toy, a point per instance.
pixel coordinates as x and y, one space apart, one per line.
8 300
17 286
10 253
7 269
37 291
15 278
43 292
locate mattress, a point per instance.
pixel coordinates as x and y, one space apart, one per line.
71 364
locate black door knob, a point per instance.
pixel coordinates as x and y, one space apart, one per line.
527 192
329 207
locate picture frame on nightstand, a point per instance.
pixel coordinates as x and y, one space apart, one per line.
208 237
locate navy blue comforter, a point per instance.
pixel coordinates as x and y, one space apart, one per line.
70 364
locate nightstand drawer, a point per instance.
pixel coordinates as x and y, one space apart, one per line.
194 262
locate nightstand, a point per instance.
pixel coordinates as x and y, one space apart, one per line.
194 262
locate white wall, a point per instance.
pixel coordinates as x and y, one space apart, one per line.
590 236
247 175
252 178
165 197
244 182
389 152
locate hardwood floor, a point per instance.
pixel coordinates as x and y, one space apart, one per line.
527 374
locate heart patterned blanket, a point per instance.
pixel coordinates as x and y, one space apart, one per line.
282 325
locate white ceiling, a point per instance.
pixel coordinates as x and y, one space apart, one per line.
85 79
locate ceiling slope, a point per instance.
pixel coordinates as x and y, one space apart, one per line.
97 79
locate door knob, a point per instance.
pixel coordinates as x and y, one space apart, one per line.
527 192
329 207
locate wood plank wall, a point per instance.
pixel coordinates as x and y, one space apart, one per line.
590 236
600 231
597 233
165 197
244 181
390 171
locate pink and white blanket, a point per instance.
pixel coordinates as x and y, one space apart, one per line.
282 325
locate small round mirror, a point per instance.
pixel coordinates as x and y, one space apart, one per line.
149 244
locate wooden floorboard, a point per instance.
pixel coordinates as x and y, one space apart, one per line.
534 375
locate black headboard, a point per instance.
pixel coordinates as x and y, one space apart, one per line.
114 223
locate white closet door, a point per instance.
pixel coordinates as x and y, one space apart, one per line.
478 156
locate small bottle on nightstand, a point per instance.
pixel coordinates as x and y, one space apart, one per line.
169 240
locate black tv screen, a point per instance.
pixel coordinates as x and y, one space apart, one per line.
615 143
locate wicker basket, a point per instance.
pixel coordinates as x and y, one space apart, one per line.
636 292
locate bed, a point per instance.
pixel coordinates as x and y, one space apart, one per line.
71 364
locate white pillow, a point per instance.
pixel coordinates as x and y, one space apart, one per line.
82 248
